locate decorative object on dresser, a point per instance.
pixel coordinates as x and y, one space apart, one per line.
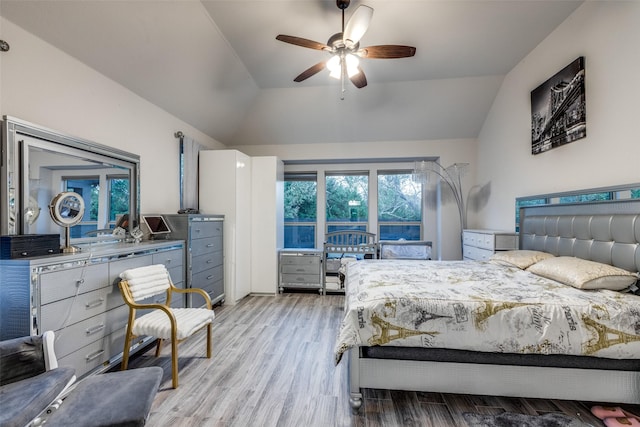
77 297
140 287
480 245
301 268
204 256
29 245
66 210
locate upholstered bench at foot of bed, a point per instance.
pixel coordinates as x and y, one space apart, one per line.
113 399
24 400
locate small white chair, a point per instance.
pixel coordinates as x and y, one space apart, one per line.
164 322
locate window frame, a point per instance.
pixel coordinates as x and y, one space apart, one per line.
413 223
302 176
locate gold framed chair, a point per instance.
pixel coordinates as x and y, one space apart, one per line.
138 285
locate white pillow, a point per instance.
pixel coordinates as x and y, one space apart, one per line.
583 274
521 259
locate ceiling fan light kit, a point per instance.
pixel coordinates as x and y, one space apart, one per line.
345 51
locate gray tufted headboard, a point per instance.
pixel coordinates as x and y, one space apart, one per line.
606 232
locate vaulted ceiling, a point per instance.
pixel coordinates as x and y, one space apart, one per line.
216 64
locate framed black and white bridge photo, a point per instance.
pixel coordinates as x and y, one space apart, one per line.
558 113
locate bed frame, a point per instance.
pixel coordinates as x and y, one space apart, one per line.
404 249
607 232
346 243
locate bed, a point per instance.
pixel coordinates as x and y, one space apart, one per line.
587 345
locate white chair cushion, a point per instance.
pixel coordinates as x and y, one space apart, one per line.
157 322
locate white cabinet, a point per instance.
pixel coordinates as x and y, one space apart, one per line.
77 297
481 244
225 188
249 192
267 222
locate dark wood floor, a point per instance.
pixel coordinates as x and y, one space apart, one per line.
272 365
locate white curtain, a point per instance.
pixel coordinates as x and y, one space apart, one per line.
189 150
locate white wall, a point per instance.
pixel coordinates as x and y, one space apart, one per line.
606 34
45 86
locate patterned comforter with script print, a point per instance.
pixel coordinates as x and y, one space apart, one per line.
482 306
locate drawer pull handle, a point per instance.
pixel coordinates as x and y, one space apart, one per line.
79 282
95 355
210 245
167 261
95 329
209 261
197 230
210 277
95 303
24 253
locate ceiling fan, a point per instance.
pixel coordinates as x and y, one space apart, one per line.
345 49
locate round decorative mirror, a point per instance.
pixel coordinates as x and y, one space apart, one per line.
67 209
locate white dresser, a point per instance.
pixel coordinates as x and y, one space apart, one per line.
481 244
77 297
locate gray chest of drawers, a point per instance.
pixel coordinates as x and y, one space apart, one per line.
204 257
301 268
77 297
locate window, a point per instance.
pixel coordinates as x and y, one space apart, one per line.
399 206
347 196
300 210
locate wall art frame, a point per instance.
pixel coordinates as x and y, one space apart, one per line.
558 109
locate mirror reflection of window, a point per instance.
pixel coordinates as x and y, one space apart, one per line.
89 189
104 187
119 195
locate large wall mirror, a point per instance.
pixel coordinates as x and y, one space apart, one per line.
38 164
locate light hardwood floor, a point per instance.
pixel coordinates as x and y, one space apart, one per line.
272 365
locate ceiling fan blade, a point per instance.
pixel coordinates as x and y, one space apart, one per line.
310 71
359 80
299 41
357 24
387 51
